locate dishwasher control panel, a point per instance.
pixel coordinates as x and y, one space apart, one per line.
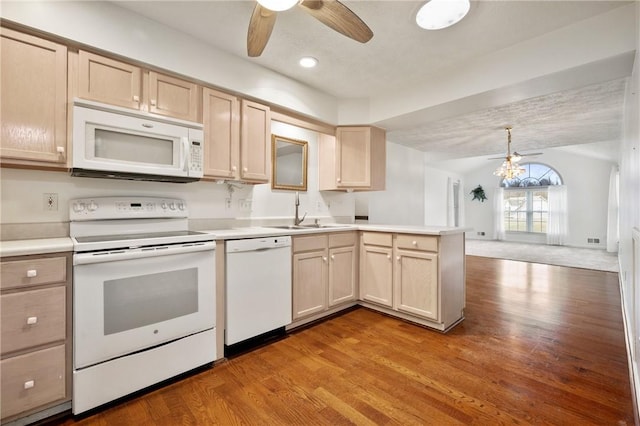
257 244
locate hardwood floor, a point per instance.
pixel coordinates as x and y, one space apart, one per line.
540 345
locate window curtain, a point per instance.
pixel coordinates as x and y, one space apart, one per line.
612 212
498 214
557 223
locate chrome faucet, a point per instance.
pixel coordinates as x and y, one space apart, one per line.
297 221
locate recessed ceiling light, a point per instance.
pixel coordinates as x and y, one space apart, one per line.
308 62
438 14
278 5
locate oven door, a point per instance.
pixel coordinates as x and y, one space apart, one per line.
128 300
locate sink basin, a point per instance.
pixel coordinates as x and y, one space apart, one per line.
327 225
309 226
287 227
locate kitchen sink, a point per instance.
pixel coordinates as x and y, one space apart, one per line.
327 225
309 226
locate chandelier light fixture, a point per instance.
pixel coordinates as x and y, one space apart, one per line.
510 167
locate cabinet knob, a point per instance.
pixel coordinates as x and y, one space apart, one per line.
234 168
136 98
153 102
338 180
29 384
244 169
60 149
398 258
31 273
415 243
324 259
388 256
32 320
333 257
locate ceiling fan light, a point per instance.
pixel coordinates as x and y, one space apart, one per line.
278 5
439 14
308 62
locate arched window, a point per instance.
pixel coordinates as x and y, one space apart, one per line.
526 206
536 174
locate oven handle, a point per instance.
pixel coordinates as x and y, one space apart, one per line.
141 252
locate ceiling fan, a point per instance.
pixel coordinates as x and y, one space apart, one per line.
515 157
332 13
510 168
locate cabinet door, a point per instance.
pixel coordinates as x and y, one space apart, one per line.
33 97
342 275
173 97
109 81
416 283
353 157
309 283
376 277
255 143
221 114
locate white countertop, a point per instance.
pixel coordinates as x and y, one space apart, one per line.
53 245
36 246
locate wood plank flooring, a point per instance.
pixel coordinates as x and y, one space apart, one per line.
540 345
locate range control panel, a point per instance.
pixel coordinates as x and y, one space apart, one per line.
101 208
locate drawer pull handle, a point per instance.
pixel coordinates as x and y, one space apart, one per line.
31 273
32 320
29 384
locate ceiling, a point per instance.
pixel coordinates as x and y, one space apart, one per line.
401 56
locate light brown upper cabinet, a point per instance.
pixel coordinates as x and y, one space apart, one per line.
33 93
122 84
221 116
237 141
355 159
255 142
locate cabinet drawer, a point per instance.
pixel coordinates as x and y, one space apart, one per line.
417 242
32 380
342 239
309 243
37 271
377 239
32 318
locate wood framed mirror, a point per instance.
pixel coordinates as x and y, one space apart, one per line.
288 163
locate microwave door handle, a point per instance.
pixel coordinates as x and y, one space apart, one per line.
184 152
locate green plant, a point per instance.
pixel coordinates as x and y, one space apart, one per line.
478 194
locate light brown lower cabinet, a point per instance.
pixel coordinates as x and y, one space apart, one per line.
35 332
324 273
416 277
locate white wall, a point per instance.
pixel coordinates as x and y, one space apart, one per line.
587 180
22 199
402 202
630 211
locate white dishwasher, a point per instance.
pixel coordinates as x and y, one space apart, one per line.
258 287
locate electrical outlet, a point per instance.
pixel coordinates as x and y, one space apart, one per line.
50 202
227 203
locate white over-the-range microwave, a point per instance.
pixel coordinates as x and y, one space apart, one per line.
117 143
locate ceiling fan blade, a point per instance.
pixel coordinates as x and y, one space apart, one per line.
497 158
260 27
525 155
338 17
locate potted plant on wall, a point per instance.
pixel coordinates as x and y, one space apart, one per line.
478 194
